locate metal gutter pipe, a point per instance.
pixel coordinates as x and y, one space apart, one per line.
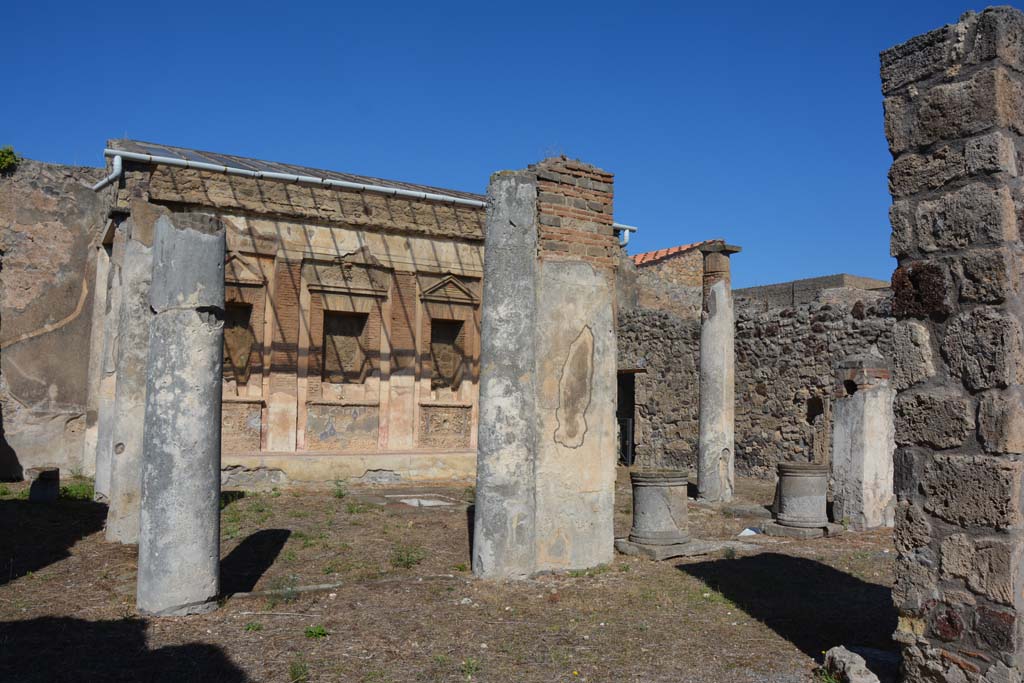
119 155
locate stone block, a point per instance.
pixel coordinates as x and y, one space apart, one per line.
987 565
913 528
692 548
973 215
916 584
901 216
987 275
920 57
995 628
984 347
922 290
995 33
1001 422
974 491
912 354
992 153
912 173
927 418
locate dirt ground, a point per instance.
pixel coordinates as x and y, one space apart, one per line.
404 606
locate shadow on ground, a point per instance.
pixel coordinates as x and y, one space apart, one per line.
61 649
810 604
244 565
38 534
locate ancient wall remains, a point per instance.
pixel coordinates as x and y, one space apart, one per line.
954 114
671 280
49 217
785 372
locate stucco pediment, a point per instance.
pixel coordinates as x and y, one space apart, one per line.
449 289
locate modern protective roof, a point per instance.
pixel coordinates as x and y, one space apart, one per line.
250 164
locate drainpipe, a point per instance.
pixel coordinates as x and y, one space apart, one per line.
120 155
115 173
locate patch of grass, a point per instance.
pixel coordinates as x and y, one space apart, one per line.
289 556
253 626
298 671
625 567
407 556
22 494
316 632
258 506
77 489
275 493
461 567
593 571
470 666
286 585
4 490
729 553
354 508
299 514
441 659
340 488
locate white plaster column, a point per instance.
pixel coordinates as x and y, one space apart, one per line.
717 449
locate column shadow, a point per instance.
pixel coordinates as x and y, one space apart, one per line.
243 566
62 649
808 603
38 534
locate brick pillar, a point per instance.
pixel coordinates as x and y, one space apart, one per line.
953 116
547 446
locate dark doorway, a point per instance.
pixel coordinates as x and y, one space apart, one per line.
625 413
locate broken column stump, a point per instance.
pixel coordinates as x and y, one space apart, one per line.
547 445
716 459
179 538
954 113
862 444
45 486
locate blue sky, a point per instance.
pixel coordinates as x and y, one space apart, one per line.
757 122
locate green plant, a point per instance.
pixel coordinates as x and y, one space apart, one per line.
470 494
8 159
470 666
77 489
461 567
286 590
340 488
729 553
441 659
407 556
253 626
298 671
826 676
316 632
4 491
354 508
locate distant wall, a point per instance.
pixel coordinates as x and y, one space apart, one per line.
673 284
48 216
785 370
805 291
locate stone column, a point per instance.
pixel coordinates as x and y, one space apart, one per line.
179 539
108 371
96 334
954 111
130 396
717 450
862 444
547 447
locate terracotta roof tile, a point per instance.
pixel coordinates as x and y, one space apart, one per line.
651 256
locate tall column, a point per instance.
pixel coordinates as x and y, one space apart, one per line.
547 446
715 463
954 112
108 370
179 539
862 444
130 396
96 333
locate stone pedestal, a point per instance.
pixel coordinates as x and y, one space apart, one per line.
659 508
45 486
803 491
863 445
179 539
715 463
547 443
130 396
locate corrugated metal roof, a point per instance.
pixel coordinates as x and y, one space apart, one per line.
652 256
250 164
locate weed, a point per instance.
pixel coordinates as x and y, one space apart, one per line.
8 159
407 556
299 514
22 494
730 553
470 666
593 571
625 567
253 626
286 587
4 491
289 556
461 567
825 676
258 506
316 632
441 659
340 488
469 493
275 493
298 671
77 489
354 508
